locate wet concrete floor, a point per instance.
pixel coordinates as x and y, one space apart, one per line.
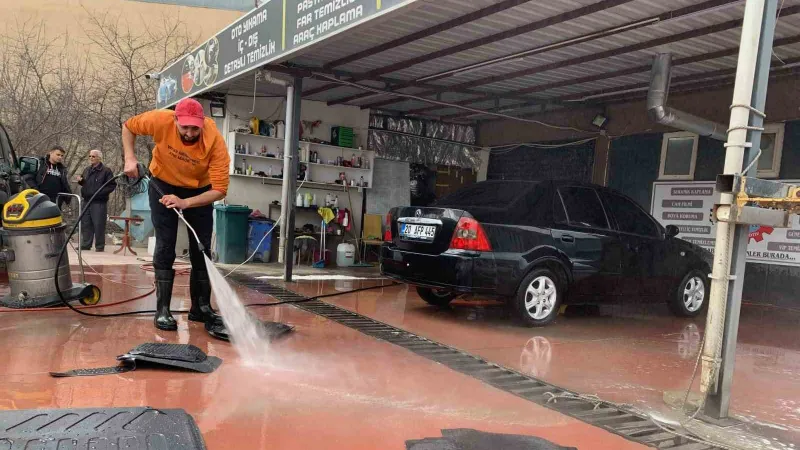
635 354
327 386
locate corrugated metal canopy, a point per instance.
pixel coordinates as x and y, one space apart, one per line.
518 56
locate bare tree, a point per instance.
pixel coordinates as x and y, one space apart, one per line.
42 89
53 94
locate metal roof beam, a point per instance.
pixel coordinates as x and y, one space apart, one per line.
724 26
458 21
605 76
731 24
669 15
550 21
776 73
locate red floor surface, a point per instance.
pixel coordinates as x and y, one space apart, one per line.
628 354
327 387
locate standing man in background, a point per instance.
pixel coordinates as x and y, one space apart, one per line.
93 224
51 179
190 166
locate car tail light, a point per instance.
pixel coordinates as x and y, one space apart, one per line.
469 235
387 234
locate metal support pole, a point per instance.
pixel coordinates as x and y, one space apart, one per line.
734 157
718 403
291 157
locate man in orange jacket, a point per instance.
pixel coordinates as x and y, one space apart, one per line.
190 165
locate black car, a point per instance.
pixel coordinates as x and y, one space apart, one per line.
541 244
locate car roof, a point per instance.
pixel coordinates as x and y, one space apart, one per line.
552 182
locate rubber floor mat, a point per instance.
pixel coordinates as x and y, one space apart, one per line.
269 330
160 355
100 428
465 439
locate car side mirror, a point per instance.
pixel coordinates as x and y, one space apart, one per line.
672 231
28 165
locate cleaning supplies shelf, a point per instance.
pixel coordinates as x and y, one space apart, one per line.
306 185
258 136
271 158
323 173
339 167
336 147
316 144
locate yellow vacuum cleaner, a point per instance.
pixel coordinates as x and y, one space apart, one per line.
32 238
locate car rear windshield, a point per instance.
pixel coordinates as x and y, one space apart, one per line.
489 194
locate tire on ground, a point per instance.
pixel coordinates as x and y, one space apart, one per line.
436 297
525 302
679 297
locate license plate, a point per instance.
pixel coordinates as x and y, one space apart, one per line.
423 232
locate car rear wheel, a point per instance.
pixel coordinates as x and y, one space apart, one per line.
689 298
538 298
436 297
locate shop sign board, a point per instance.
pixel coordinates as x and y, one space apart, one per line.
272 31
688 206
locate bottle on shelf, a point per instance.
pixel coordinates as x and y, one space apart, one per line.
336 202
244 166
361 182
314 200
328 200
299 200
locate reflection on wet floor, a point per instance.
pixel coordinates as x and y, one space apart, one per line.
636 354
329 386
326 386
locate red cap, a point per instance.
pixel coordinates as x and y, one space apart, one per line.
190 113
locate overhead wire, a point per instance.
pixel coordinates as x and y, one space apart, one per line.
450 105
508 148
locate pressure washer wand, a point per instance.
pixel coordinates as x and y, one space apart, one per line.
144 174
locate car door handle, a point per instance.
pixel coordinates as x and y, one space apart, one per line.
567 238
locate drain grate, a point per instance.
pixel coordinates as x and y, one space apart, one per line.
622 422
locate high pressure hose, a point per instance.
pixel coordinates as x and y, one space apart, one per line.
143 174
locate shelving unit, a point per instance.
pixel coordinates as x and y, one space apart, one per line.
322 175
306 185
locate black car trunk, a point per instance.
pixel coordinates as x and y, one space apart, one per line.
424 230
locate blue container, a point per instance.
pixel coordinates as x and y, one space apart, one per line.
256 231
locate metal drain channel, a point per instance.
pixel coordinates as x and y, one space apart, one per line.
622 422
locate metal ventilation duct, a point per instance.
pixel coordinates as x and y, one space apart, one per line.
661 113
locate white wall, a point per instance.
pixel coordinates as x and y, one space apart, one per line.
251 191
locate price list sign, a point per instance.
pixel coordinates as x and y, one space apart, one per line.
688 206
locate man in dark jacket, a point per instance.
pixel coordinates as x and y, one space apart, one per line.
51 179
93 223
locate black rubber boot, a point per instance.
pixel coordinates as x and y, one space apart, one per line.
164 320
200 291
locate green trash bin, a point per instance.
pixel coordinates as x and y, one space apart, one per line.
232 233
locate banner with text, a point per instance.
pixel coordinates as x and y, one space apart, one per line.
688 206
265 34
